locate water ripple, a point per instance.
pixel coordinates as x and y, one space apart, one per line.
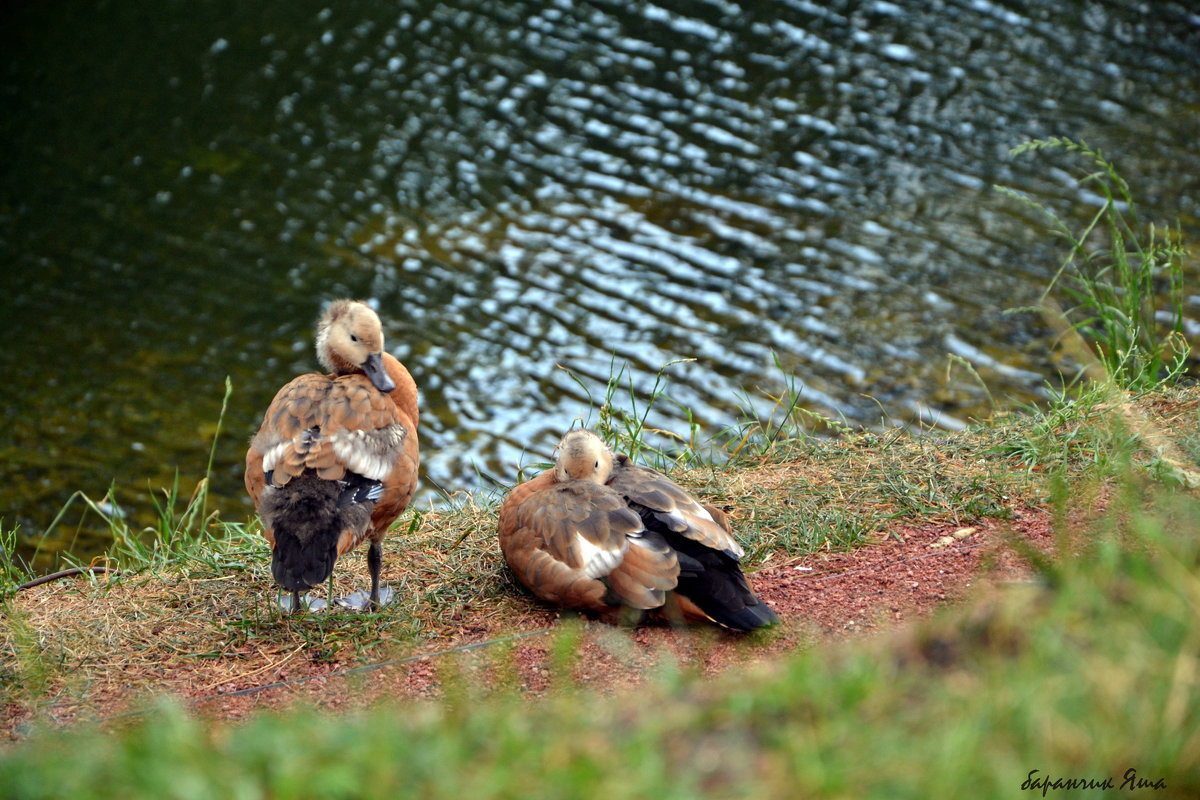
539 196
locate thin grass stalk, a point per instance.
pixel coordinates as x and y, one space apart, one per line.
13 569
1114 287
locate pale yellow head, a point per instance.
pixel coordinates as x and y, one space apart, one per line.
583 456
350 339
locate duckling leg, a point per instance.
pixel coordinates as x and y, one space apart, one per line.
296 601
379 596
374 564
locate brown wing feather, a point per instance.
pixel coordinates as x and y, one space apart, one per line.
523 548
577 519
561 539
647 572
302 425
672 505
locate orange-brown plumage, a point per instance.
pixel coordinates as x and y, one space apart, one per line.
599 533
335 460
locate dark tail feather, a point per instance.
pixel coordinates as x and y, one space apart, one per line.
308 516
714 582
750 617
357 489
307 526
299 565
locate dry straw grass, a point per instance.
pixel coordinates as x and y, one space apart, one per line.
194 630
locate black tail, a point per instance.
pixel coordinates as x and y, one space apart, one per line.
714 582
308 516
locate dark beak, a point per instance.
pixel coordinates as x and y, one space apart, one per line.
373 367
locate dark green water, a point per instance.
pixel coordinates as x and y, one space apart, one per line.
519 186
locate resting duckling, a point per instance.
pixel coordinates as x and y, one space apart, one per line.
598 533
335 461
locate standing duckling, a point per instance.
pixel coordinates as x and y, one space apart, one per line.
335 460
599 533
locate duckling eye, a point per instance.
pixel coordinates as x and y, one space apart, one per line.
597 465
353 338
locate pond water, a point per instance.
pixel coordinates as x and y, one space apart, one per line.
535 195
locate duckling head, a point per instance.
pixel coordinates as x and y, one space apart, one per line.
582 455
350 339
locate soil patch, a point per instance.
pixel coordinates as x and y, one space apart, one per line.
511 641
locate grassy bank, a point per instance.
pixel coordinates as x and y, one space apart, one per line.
187 594
1085 672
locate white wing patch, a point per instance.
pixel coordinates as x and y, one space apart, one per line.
731 544
371 454
273 454
598 562
701 523
675 521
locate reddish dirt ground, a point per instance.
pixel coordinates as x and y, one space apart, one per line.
820 598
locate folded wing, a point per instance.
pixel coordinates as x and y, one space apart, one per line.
577 544
656 496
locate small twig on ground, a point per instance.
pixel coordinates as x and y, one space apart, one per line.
94 569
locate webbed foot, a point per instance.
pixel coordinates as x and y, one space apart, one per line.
309 602
361 600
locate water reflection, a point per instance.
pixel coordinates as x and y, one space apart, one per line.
523 186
